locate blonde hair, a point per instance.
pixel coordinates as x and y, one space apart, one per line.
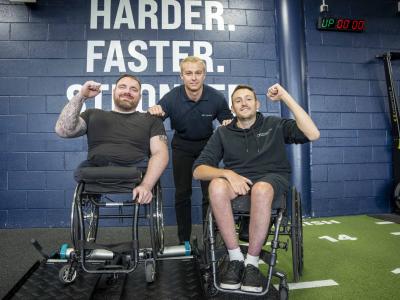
192 59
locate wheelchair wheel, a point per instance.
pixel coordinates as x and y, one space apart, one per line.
220 255
75 227
66 275
157 221
300 239
90 214
297 236
396 196
220 248
91 220
150 271
208 286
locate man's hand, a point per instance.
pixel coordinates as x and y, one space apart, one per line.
143 194
156 110
226 122
90 89
276 92
240 185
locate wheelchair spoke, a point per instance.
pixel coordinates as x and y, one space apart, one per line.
90 217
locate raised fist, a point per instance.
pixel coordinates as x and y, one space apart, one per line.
276 92
90 89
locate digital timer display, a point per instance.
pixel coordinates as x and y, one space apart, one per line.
341 24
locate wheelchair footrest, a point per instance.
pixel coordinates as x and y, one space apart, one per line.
120 265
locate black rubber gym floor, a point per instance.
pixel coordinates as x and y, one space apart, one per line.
177 279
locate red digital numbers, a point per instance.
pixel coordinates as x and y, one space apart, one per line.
342 24
358 25
350 25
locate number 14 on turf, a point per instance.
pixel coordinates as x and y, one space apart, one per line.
341 237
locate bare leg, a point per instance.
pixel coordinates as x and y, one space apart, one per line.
262 194
221 194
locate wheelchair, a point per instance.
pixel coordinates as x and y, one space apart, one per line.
214 256
93 196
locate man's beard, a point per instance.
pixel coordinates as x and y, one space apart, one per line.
125 105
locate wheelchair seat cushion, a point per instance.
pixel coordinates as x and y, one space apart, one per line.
109 179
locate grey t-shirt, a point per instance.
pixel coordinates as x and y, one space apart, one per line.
118 137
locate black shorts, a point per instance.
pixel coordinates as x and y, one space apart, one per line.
279 182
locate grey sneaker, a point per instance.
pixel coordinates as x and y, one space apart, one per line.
252 280
232 277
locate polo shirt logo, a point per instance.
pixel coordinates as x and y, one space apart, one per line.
206 115
264 133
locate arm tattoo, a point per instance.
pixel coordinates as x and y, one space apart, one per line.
69 123
164 139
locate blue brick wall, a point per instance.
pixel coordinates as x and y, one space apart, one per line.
351 163
43 51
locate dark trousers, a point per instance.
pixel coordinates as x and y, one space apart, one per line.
184 153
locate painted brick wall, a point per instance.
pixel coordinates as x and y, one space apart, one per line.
43 52
351 163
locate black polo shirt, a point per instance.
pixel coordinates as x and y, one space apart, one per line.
193 120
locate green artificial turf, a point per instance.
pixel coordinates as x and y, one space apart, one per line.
362 268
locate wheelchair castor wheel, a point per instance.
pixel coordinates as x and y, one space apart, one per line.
283 294
211 291
208 284
283 291
67 275
150 270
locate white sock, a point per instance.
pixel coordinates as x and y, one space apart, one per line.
236 254
252 260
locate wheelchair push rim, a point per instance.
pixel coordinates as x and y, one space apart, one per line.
157 221
297 236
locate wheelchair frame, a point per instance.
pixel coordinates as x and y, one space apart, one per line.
280 224
97 259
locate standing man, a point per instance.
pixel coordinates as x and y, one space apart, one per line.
191 107
252 148
123 137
